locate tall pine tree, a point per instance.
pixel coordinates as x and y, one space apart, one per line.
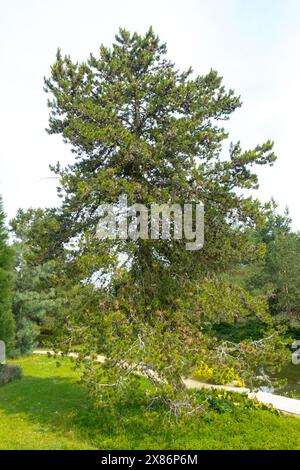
140 127
7 324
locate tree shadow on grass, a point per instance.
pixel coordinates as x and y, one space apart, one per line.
62 405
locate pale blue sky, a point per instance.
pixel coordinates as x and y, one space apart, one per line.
254 44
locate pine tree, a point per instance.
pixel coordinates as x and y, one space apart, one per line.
140 127
35 301
277 274
7 323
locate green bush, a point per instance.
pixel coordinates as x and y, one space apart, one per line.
9 372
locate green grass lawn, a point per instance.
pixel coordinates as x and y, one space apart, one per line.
48 409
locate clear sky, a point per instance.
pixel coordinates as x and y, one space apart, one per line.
254 44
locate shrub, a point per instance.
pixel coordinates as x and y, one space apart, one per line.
9 372
223 376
